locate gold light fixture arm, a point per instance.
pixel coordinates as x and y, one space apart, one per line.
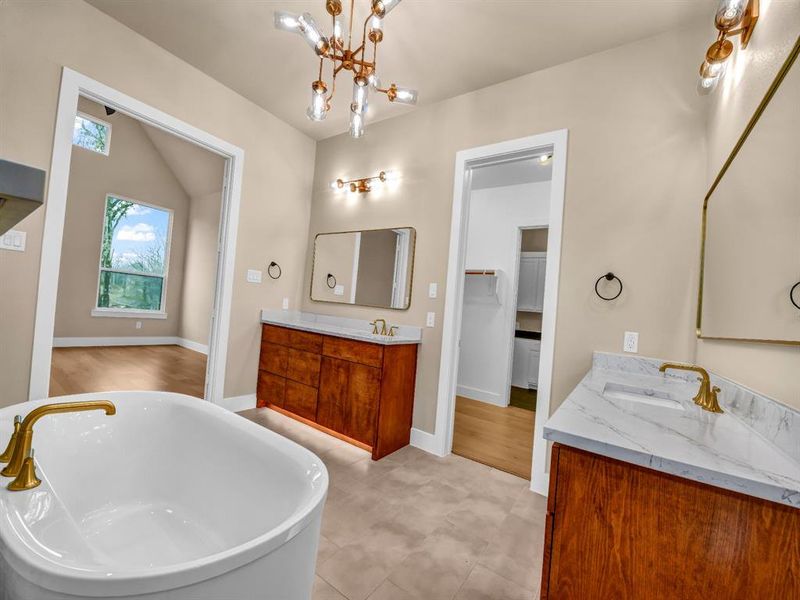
22 448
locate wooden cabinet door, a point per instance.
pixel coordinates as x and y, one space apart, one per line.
333 393
301 400
303 367
363 393
271 389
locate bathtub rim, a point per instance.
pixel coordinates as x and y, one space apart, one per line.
98 584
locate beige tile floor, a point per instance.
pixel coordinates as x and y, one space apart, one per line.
413 526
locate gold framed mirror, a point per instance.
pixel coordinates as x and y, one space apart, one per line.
750 246
371 267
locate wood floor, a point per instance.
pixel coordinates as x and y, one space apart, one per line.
495 436
118 368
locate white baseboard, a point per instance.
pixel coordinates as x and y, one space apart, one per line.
425 441
189 344
237 403
481 395
80 342
85 342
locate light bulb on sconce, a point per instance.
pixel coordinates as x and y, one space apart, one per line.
733 17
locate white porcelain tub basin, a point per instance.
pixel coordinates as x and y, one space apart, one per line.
172 497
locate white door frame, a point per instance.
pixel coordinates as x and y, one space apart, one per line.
448 370
74 85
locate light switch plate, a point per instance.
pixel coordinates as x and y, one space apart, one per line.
433 290
431 320
338 290
254 276
13 240
631 342
285 304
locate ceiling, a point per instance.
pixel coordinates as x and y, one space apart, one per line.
443 48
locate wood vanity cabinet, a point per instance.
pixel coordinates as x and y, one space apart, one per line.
358 391
619 531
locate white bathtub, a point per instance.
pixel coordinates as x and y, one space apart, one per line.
171 498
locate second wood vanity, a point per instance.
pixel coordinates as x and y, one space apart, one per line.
359 391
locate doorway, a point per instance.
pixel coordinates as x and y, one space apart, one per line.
76 88
509 204
468 162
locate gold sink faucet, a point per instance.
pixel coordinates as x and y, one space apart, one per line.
20 464
375 329
706 397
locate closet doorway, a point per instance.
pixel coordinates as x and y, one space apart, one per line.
481 300
501 312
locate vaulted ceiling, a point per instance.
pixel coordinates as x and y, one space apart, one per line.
443 48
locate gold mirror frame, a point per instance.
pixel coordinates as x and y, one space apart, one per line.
411 270
784 70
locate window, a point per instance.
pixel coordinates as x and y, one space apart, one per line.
133 257
92 134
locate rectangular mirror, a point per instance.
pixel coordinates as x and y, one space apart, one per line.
369 268
750 269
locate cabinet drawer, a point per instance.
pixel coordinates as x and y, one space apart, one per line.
271 389
354 351
301 340
303 367
273 358
301 400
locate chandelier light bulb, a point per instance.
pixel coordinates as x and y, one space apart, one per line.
360 92
312 34
384 7
337 29
374 81
403 95
286 21
356 124
318 109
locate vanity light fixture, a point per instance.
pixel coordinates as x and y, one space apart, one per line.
344 57
364 184
733 17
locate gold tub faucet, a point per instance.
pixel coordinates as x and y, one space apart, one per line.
706 397
20 464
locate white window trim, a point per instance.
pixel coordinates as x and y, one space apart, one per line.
128 313
101 122
102 311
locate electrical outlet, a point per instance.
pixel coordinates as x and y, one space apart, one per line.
138 324
254 276
13 240
631 342
431 320
433 290
285 304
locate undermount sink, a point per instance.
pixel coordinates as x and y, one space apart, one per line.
619 391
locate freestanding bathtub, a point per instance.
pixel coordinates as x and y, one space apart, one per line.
171 498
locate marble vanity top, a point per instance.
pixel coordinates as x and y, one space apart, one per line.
354 329
752 448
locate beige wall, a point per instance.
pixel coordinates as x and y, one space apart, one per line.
769 368
36 40
133 169
635 181
200 267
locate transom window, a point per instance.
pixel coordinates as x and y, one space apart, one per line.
134 256
92 134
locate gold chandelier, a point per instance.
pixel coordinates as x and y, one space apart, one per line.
345 57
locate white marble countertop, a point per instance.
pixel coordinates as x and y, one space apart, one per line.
354 329
723 450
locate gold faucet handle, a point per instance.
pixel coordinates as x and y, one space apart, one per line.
9 451
27 479
374 327
392 329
